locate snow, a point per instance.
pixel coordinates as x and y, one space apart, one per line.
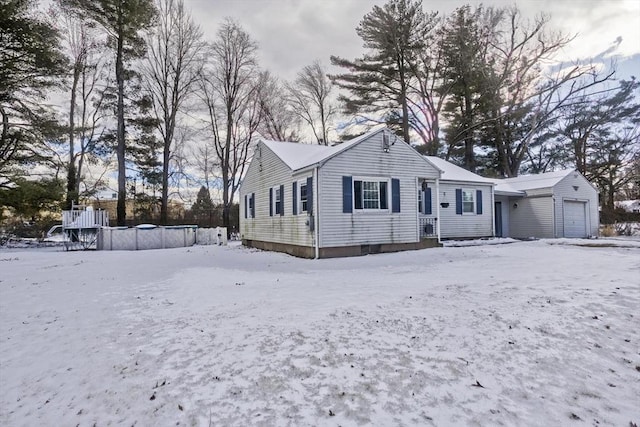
299 156
451 172
525 333
529 182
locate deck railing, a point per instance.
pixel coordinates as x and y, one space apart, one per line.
84 219
428 227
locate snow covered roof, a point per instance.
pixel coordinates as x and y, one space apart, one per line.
505 189
530 182
451 172
299 156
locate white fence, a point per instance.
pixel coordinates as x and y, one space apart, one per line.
141 238
84 219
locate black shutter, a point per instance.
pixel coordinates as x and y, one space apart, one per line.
246 207
458 201
282 200
395 195
310 195
294 199
384 199
271 202
428 209
357 194
479 202
347 195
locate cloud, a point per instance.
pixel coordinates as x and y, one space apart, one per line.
294 33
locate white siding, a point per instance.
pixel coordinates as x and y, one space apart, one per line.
266 171
367 159
453 225
564 190
533 217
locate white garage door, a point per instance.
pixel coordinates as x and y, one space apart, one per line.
575 219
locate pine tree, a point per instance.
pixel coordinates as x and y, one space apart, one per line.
30 63
380 82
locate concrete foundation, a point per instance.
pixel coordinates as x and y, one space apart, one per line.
341 251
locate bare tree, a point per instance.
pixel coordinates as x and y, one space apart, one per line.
122 21
173 61
228 89
88 87
280 122
310 96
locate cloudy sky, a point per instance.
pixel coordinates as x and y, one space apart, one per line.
293 33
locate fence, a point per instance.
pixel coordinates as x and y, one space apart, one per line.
428 227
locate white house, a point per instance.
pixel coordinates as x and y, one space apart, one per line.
371 194
547 205
466 202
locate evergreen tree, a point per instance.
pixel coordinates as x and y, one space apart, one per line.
30 63
202 210
380 83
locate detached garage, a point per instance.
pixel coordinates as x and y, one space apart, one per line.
548 205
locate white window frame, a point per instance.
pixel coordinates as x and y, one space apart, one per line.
276 200
251 209
473 201
377 180
301 202
420 200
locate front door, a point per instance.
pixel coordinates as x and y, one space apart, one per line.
498 218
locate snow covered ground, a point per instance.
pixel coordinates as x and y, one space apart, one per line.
525 333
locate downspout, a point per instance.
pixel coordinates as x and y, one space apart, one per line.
418 212
438 209
316 214
553 215
493 210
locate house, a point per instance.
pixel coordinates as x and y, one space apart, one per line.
632 206
547 205
371 194
471 216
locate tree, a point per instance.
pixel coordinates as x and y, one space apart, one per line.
88 86
466 41
174 59
30 64
229 88
203 209
380 83
123 21
600 137
28 197
279 120
310 97
504 92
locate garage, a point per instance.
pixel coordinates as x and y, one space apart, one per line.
575 219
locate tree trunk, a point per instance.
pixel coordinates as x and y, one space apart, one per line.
405 108
122 196
72 184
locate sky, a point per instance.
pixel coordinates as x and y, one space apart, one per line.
294 33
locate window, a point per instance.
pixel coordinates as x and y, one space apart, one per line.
277 201
468 201
303 196
370 195
420 203
252 211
